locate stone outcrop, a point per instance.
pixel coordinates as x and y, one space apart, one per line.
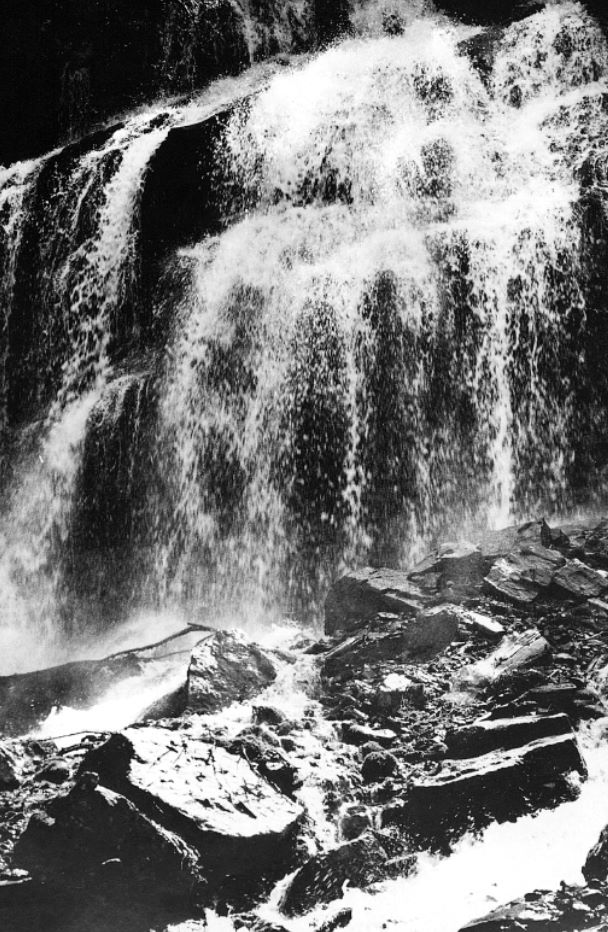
360 595
322 878
493 787
237 822
391 637
565 910
226 667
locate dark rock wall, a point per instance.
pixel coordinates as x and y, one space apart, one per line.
67 65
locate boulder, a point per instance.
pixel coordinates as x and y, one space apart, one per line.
391 637
10 771
458 566
503 734
362 734
499 786
95 836
578 581
521 576
514 654
360 595
596 865
379 765
226 667
480 624
235 820
566 910
322 878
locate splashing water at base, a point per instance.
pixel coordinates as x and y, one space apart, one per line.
503 864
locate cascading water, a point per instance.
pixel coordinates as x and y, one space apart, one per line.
380 350
391 332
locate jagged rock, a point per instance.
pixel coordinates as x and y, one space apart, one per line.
496 786
268 760
54 771
360 595
580 581
322 878
354 822
514 654
480 624
10 776
520 577
378 766
226 668
94 836
503 734
341 919
459 566
397 690
393 638
596 865
361 734
570 909
268 715
238 822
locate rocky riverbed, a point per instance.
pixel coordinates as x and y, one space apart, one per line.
438 701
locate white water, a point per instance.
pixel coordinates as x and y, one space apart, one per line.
369 358
433 181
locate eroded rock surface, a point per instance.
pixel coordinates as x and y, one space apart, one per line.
226 667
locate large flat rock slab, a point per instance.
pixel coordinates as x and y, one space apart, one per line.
237 822
503 734
514 654
499 786
361 594
225 668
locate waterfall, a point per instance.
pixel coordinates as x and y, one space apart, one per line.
380 351
388 330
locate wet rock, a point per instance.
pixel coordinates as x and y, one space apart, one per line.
379 765
268 715
361 734
520 577
360 595
491 12
503 734
76 838
483 625
596 865
226 668
354 822
565 910
396 691
394 638
458 566
497 786
238 823
322 878
579 581
55 771
10 771
27 699
268 760
514 654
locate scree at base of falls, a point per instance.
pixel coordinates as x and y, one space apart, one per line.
303 462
